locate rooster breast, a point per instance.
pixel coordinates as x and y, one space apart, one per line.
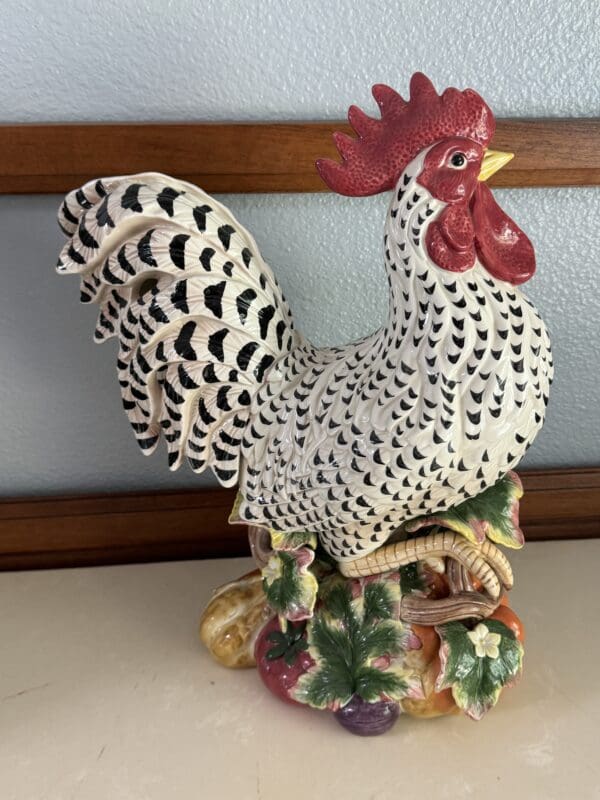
430 410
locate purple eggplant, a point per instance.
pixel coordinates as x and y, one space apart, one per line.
367 719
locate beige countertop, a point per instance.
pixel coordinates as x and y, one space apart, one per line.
107 694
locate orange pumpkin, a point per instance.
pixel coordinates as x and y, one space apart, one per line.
506 615
434 704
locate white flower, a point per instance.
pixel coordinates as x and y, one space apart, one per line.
486 643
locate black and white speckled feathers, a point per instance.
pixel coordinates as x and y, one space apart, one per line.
426 412
348 442
198 314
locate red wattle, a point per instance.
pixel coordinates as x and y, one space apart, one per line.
450 239
502 247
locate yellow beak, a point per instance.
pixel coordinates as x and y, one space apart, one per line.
493 160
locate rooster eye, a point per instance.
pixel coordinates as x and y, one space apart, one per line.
458 160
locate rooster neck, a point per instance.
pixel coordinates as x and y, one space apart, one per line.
438 319
423 298
409 269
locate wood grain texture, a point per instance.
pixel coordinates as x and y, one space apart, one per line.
125 528
261 157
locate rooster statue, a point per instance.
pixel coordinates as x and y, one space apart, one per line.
342 446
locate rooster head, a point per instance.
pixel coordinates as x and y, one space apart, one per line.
453 130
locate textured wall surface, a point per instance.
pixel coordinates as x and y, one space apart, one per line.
280 59
63 429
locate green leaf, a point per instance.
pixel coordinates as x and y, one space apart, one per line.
234 515
281 540
278 637
292 652
332 679
460 658
323 688
356 644
378 602
338 602
289 585
493 513
371 683
283 591
332 643
288 643
277 652
377 640
477 681
508 665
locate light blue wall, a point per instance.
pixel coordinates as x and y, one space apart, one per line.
282 59
63 429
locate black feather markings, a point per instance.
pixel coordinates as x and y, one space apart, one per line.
146 444
215 343
200 213
205 257
103 218
144 249
243 302
70 217
177 249
263 365
179 297
225 233
209 375
280 330
246 257
184 378
166 198
172 394
75 256
222 399
206 417
130 198
221 454
244 398
183 346
108 276
213 298
245 354
474 417
157 313
265 315
123 261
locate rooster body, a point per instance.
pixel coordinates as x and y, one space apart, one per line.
346 442
430 410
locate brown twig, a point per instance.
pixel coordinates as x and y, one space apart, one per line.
458 577
425 611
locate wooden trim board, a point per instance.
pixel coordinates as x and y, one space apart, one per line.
123 528
261 157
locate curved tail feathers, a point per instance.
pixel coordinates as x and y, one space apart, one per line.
199 316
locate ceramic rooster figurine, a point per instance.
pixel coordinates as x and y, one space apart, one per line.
344 451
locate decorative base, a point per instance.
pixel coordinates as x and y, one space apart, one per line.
420 626
359 658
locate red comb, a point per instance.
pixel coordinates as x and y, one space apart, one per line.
375 160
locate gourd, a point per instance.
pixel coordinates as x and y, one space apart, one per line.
233 619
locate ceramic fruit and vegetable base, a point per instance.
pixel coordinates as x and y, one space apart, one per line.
427 632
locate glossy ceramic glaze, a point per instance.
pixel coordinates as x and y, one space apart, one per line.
409 433
346 442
